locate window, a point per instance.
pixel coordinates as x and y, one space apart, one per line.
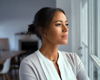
94 39
90 37
86 22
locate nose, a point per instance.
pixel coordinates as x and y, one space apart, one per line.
65 29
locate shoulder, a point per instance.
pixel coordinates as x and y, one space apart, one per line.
30 67
73 60
70 56
31 59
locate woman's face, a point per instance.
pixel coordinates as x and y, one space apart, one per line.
58 31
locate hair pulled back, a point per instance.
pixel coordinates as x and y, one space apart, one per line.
42 19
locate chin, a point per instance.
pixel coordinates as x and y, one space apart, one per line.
64 43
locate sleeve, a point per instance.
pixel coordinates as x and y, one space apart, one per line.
80 70
26 72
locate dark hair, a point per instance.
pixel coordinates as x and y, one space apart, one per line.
42 19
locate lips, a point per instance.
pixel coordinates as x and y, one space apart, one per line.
65 36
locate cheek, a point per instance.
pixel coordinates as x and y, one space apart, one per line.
54 34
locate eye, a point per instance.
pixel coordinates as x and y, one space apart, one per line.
67 24
58 24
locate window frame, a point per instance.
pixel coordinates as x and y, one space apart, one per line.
92 59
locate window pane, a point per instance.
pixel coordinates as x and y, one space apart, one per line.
96 73
98 28
95 28
95 39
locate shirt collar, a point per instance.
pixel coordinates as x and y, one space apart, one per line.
60 58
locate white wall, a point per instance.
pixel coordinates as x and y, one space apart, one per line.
75 27
16 15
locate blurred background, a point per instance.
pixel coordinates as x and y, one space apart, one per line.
84 24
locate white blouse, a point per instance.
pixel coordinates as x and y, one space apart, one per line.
50 70
37 67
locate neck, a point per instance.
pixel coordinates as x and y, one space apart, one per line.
50 51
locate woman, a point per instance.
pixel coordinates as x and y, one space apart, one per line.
48 63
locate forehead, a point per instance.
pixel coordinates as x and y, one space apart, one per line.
59 16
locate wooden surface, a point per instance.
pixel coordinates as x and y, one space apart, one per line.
9 54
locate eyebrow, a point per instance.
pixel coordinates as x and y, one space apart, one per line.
59 21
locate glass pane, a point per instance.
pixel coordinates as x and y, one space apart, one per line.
95 34
98 29
84 32
95 28
96 73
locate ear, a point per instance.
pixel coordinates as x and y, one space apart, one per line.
40 30
45 33
42 33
